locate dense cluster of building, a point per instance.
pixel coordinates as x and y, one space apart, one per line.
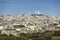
28 23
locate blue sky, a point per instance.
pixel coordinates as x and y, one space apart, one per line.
48 7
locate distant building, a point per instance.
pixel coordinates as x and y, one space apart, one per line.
1 28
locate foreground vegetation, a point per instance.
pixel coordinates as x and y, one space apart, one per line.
55 38
48 35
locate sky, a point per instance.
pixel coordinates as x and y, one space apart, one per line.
47 7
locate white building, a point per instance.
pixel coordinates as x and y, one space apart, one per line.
32 27
1 27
